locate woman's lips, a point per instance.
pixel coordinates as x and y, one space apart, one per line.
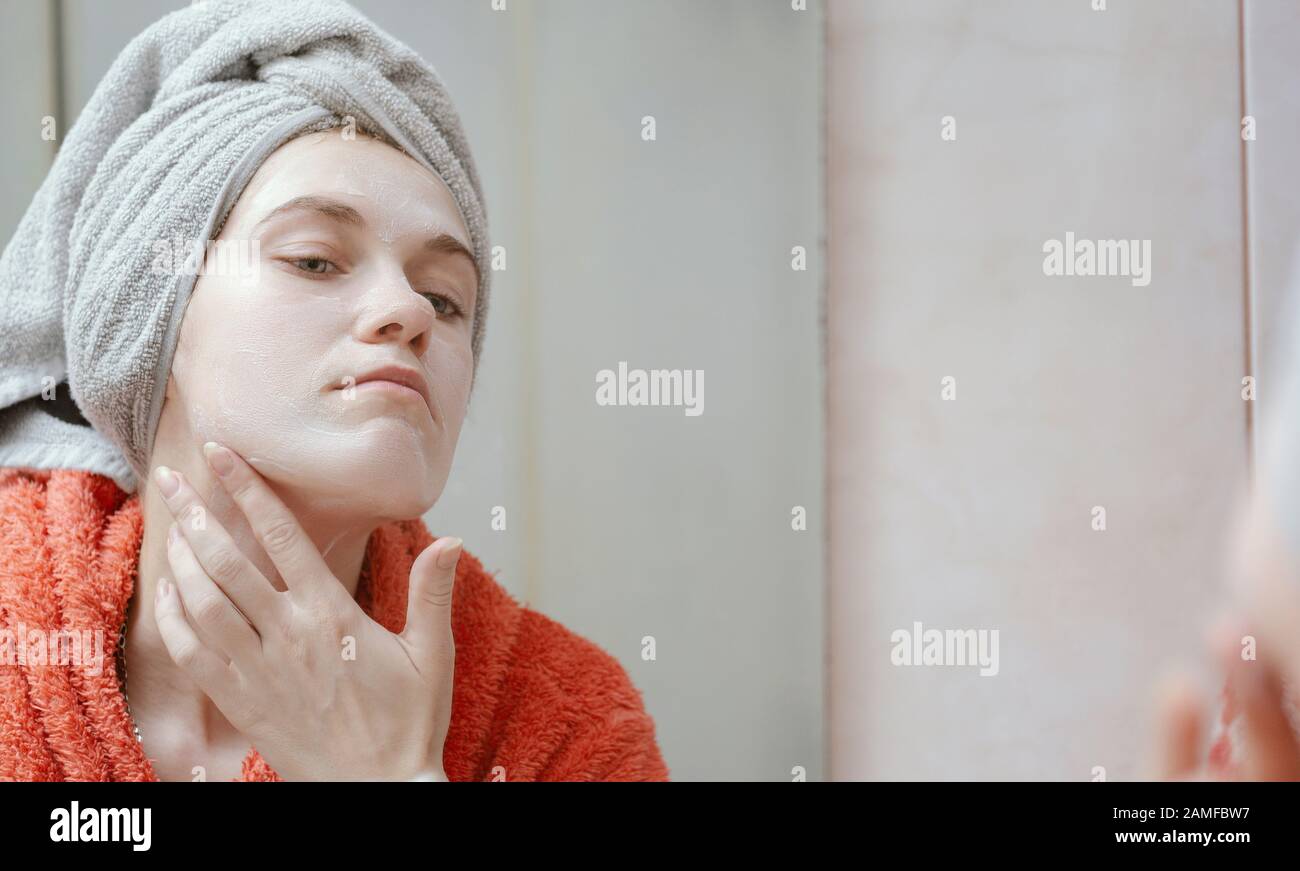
392 388
399 382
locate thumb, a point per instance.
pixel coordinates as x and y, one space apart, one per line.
428 604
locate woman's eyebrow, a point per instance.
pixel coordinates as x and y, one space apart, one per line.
442 243
330 208
445 243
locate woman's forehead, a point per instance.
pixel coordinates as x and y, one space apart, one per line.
381 182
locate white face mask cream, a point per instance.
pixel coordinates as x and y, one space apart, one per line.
342 373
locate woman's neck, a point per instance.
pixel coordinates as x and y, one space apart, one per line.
164 700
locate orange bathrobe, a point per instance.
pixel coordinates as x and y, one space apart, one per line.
531 700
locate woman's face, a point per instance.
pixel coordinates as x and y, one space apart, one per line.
343 266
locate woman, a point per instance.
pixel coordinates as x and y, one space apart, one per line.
285 414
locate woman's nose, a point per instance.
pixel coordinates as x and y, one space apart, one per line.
398 315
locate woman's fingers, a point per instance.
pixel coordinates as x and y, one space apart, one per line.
290 548
207 604
215 550
209 671
1272 751
1270 654
428 603
1178 724
1275 618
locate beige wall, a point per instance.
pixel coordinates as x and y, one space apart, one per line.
28 71
1071 392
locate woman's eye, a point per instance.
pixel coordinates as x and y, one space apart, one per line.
448 305
316 265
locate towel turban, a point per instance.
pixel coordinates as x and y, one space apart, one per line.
167 142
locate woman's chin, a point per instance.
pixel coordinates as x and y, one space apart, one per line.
405 503
396 493
369 484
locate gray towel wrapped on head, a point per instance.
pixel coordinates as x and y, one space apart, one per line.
168 141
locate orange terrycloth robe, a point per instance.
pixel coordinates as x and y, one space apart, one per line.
531 700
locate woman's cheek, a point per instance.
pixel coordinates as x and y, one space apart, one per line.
234 377
451 367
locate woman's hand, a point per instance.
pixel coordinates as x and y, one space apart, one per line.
1255 696
1259 652
1256 693
321 689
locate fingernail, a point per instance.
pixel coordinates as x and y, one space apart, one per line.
162 589
172 533
168 483
218 458
449 554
